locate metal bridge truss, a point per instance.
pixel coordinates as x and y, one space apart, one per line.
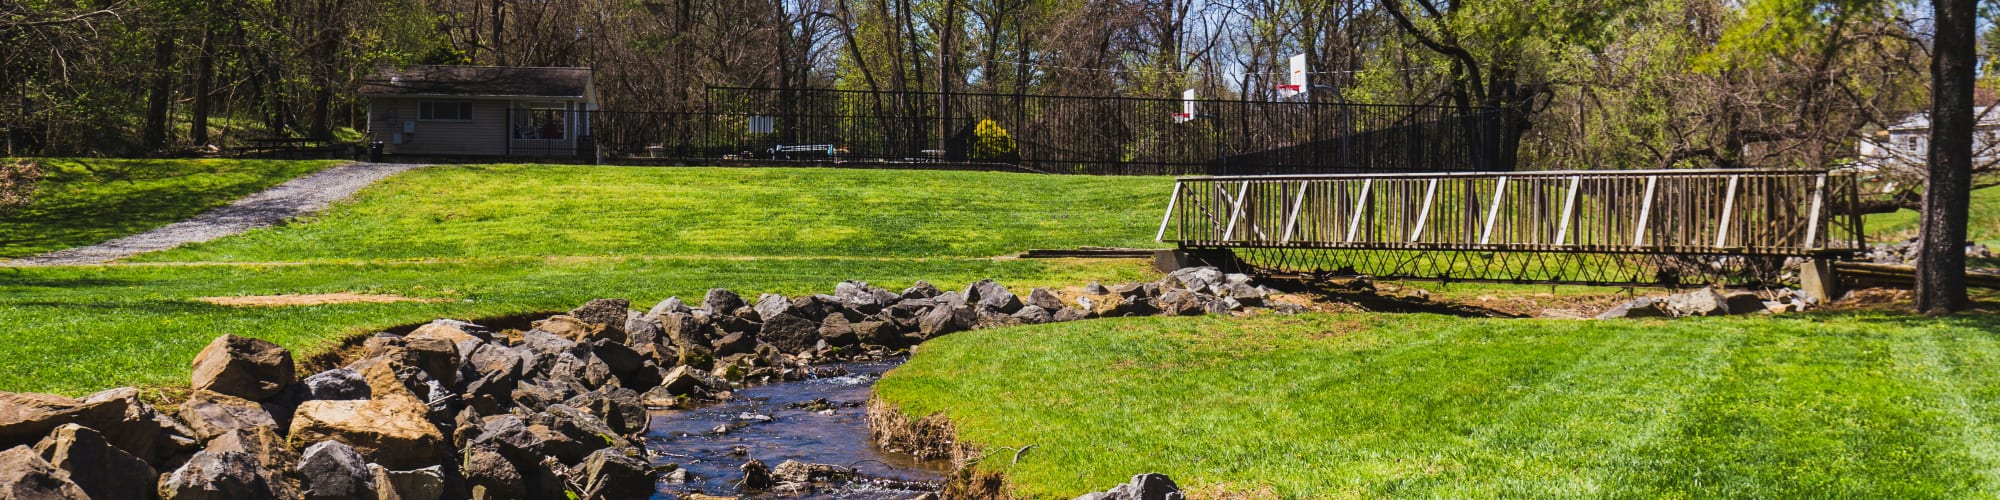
1635 227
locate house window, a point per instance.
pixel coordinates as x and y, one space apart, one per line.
549 122
451 111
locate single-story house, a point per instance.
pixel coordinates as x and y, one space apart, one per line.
1906 145
480 110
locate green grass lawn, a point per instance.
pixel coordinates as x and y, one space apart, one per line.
86 201
1982 226
1373 405
509 239
522 210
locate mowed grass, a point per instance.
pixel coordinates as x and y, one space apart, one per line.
86 201
539 210
1376 405
1982 226
503 240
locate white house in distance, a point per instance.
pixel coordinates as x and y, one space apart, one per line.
1906 145
479 110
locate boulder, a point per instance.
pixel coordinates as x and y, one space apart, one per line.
688 329
672 305
243 367
418 484
1033 315
334 471
689 381
1703 302
132 425
945 319
1201 279
722 302
1045 299
338 383
1642 307
1182 302
509 435
576 330
793 471
992 297
643 331
1095 288
100 469
24 475
622 360
391 431
920 290
275 460
494 359
1743 303
464 335
436 356
585 433
1221 306
213 475
837 331
618 407
608 312
877 332
790 333
857 296
1151 486
614 473
735 343
771 304
491 475
210 414
1069 314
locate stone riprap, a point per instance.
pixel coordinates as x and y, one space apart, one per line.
456 410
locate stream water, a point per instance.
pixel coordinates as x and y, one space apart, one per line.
784 421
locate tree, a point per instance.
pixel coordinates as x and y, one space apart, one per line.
1948 194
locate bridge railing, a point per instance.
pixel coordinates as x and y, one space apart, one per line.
1691 212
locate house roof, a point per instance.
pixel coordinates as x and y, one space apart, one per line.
478 81
1983 116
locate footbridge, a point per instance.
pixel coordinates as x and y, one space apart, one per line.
1631 227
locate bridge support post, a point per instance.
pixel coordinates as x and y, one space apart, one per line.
1817 280
1168 261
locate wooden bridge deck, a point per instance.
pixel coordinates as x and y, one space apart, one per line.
1657 216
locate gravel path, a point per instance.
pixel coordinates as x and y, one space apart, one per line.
294 198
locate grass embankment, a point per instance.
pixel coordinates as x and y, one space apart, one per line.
1982 226
500 240
86 201
1367 405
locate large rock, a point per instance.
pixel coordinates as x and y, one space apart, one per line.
614 473
946 318
276 461
212 475
1033 315
585 432
24 475
672 305
1182 302
1152 486
1642 307
857 296
491 475
509 435
391 431
920 290
334 471
992 297
243 367
1703 302
1201 279
1045 299
337 383
1743 303
576 330
722 302
618 407
837 331
102 470
686 381
790 334
608 312
419 484
210 414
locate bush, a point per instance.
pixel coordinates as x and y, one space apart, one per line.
991 143
18 182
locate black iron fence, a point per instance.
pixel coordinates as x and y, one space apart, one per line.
1057 134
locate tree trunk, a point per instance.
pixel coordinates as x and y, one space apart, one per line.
154 137
204 78
1947 196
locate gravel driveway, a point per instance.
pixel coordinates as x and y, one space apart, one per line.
294 198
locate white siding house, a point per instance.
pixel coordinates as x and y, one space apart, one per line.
1906 144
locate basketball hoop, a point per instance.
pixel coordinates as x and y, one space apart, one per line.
1292 88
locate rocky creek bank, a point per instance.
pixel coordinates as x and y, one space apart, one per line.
453 409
